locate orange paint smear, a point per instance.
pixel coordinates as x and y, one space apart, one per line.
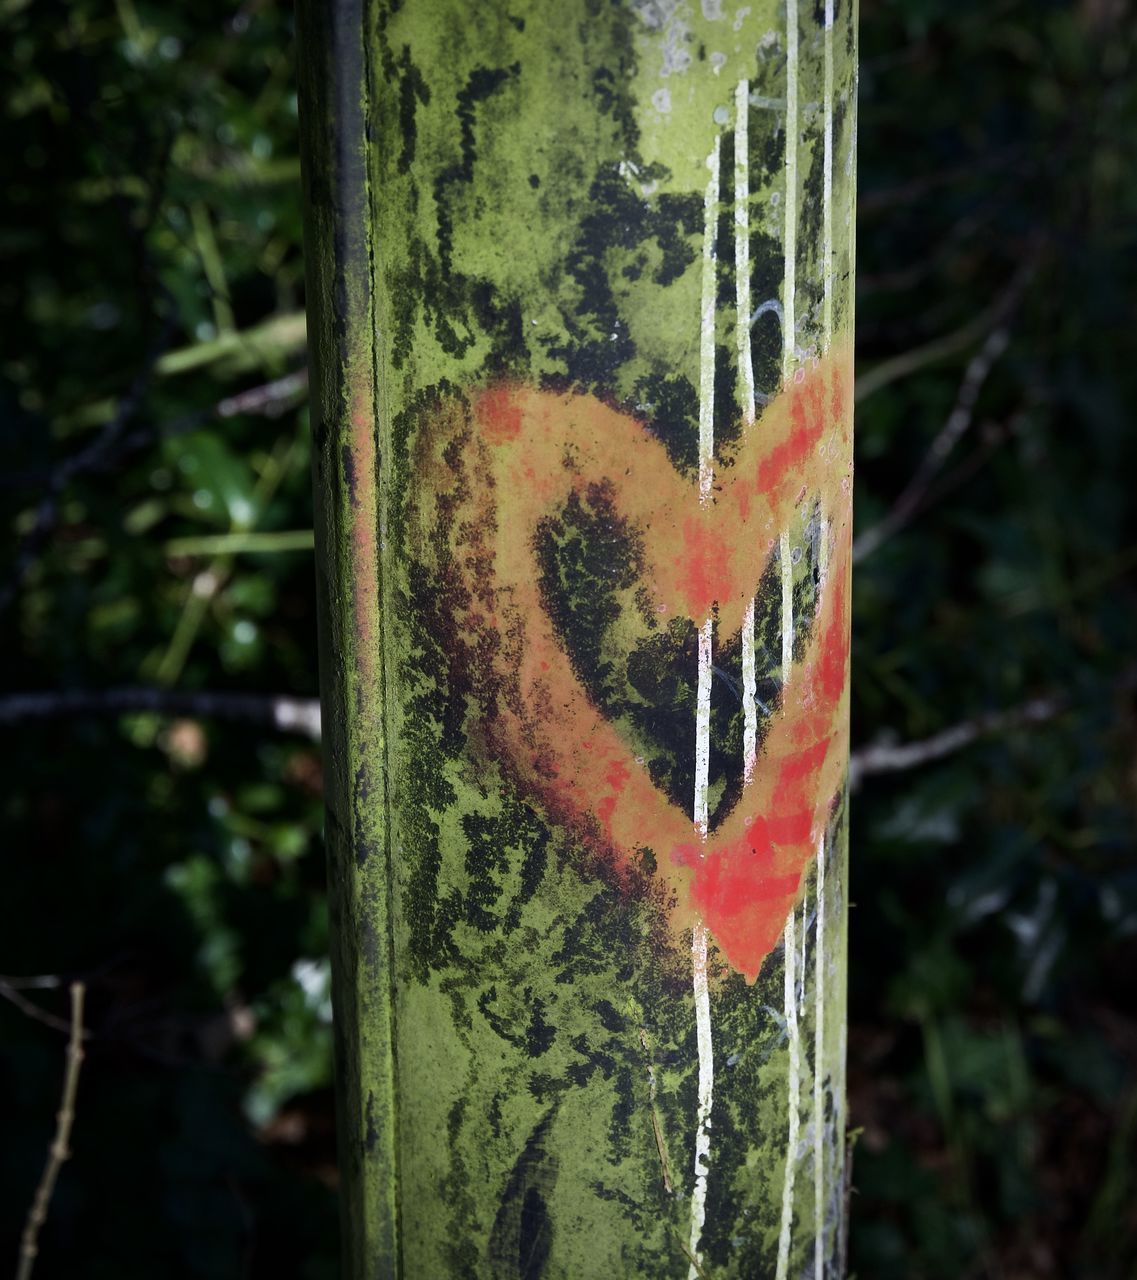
704 566
528 450
500 416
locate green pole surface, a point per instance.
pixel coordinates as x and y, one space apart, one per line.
580 317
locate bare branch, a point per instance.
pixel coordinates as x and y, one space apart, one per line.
270 399
906 506
908 362
47 513
894 758
960 238
31 1010
885 199
37 982
275 711
267 400
60 1149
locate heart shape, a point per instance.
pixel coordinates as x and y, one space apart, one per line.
489 471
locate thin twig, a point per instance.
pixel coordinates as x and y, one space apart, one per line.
47 512
960 237
950 434
908 362
691 1257
60 1150
242 542
994 436
37 982
276 711
886 757
889 198
267 399
31 1009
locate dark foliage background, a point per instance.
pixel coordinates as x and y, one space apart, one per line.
157 535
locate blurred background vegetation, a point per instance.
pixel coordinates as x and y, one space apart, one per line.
164 844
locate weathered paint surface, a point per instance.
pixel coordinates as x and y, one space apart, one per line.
584 482
491 481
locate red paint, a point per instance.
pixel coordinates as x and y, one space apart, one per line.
809 422
740 889
616 777
534 449
703 570
500 415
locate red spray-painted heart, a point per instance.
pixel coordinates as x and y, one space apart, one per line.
490 478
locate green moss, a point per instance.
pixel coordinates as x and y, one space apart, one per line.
535 217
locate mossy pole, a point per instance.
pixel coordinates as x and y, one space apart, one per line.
580 317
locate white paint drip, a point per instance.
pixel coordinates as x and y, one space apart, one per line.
839 1126
819 1128
822 556
793 1032
742 246
749 698
851 158
801 971
746 377
703 730
706 480
787 567
707 329
827 187
706 1091
789 247
789 333
701 816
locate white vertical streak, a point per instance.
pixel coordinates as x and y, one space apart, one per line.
746 377
701 816
851 127
789 331
703 730
827 186
749 697
842 1045
839 1130
742 246
789 327
822 558
820 1129
787 568
706 1090
839 901
707 329
801 974
790 952
820 964
706 477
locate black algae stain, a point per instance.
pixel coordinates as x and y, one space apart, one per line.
412 90
371 1138
611 239
347 459
522 1235
586 556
